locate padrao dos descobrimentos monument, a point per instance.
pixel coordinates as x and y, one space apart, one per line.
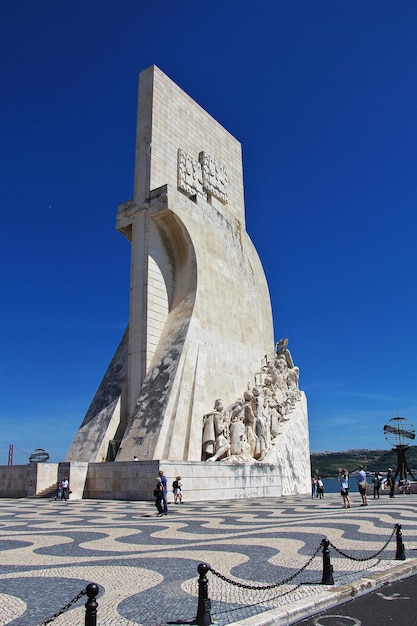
198 386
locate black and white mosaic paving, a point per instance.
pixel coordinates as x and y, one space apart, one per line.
146 566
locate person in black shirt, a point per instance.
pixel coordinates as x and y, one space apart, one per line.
158 493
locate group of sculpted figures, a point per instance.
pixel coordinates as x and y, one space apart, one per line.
246 430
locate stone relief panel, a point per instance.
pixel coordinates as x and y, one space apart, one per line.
214 177
248 428
190 175
203 178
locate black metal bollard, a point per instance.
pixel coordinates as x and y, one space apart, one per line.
204 603
327 578
400 555
91 605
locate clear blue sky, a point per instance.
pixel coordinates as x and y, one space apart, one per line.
323 97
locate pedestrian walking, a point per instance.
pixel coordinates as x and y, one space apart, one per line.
377 482
344 487
165 491
158 493
58 490
65 488
390 481
314 487
362 485
176 488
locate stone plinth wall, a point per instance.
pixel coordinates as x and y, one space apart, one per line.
132 480
224 481
17 481
128 480
24 481
136 480
201 481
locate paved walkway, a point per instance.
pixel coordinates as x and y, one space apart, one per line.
146 566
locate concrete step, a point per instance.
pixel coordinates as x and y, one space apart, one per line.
48 492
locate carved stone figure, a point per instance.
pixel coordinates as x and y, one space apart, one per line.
282 349
215 440
222 448
236 426
272 413
243 456
249 420
256 420
260 429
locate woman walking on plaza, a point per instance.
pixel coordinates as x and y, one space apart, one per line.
344 487
176 488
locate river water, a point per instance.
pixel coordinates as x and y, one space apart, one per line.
332 485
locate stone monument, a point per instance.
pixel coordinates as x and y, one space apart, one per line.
200 325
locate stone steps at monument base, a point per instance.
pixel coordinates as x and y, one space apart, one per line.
48 492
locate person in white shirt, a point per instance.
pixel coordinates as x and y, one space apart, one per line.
344 487
362 485
320 488
65 488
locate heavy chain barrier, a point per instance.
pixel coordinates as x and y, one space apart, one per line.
91 606
64 608
266 587
364 558
237 603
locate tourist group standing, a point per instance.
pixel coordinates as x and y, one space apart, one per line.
404 486
317 487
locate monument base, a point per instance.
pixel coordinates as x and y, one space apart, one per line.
135 480
201 481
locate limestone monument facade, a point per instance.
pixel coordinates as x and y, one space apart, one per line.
200 324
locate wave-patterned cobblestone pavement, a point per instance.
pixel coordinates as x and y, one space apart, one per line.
146 566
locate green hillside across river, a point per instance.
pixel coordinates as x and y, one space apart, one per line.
327 464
